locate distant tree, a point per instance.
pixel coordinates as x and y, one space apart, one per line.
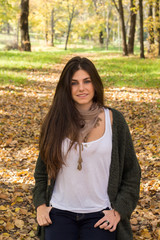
52 27
150 27
121 14
25 39
46 30
55 9
157 15
71 14
108 27
97 5
101 37
132 29
141 29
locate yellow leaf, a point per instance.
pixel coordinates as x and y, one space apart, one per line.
23 211
5 234
158 231
19 223
3 196
3 208
17 210
9 226
19 199
146 234
31 234
134 221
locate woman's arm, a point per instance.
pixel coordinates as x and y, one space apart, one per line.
124 175
130 172
41 180
39 193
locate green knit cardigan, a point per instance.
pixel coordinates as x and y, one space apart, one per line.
124 179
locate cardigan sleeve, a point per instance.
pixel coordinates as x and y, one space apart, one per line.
129 173
41 181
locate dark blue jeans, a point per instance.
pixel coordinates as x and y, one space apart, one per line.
76 226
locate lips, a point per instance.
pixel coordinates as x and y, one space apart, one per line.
82 95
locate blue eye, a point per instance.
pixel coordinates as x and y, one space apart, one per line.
87 81
74 83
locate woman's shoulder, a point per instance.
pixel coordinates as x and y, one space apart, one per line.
118 123
116 114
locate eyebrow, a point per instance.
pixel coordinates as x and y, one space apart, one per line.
83 79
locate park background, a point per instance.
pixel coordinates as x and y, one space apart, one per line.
37 38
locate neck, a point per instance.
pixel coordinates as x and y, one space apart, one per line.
85 107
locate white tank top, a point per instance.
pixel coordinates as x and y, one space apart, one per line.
85 191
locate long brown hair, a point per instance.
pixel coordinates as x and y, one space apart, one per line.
63 119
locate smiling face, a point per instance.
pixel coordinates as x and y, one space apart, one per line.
82 89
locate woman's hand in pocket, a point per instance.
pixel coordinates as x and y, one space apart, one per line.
109 221
43 217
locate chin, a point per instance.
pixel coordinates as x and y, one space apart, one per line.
84 104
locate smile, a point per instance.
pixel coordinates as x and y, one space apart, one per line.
82 95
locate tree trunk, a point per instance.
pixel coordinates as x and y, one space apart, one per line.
158 25
127 25
68 32
132 28
108 28
125 51
69 27
141 29
151 28
46 36
18 32
25 40
46 30
8 28
52 28
119 35
101 38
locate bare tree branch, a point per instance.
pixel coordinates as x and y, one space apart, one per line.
115 5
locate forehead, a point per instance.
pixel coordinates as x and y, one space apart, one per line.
80 75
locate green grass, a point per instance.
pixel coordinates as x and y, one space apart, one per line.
114 69
28 60
130 72
14 64
13 78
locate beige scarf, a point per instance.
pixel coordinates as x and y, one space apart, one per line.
90 120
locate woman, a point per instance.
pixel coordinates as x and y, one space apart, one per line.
87 175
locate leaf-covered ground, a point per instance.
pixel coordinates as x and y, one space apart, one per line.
22 110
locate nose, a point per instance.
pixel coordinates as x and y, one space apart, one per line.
81 87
